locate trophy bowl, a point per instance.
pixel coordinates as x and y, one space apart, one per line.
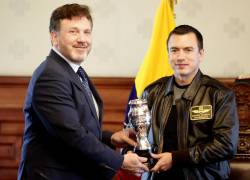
140 120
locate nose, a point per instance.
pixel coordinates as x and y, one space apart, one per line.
83 37
181 55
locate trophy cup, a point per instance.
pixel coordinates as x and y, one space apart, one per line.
140 120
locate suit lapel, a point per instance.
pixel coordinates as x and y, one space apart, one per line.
90 101
97 98
76 80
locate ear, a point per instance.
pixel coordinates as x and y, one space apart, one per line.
201 52
54 38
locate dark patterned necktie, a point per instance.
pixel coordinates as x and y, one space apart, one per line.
85 83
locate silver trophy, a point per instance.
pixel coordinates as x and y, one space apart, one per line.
140 120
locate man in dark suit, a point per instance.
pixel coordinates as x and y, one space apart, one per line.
63 111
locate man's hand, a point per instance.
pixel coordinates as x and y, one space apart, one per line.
133 164
123 138
164 162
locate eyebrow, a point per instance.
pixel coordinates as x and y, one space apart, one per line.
187 47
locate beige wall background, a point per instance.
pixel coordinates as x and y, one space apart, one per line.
122 30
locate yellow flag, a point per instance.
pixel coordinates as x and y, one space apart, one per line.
155 64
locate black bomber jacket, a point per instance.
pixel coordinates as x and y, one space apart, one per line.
207 125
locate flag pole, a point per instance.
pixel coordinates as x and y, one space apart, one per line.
172 4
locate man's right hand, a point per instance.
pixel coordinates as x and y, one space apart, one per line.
133 164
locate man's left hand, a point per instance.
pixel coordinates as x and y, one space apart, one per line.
164 162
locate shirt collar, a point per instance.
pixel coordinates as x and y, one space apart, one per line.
74 66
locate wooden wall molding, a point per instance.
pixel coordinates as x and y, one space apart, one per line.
114 92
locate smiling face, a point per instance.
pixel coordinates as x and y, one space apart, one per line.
73 40
184 57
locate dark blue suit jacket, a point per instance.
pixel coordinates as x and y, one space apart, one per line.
63 137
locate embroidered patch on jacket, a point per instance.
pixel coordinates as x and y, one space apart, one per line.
201 112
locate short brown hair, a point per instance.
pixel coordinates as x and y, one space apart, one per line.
185 29
68 11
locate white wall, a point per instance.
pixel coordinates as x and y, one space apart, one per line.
122 29
226 30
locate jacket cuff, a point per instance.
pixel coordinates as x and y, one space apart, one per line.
106 139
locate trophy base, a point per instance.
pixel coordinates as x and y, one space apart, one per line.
146 153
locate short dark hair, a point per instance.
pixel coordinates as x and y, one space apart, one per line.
68 11
185 29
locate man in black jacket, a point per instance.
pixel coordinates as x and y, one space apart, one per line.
194 117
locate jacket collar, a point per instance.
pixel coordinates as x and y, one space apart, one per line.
73 65
76 80
170 86
55 56
191 90
193 87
